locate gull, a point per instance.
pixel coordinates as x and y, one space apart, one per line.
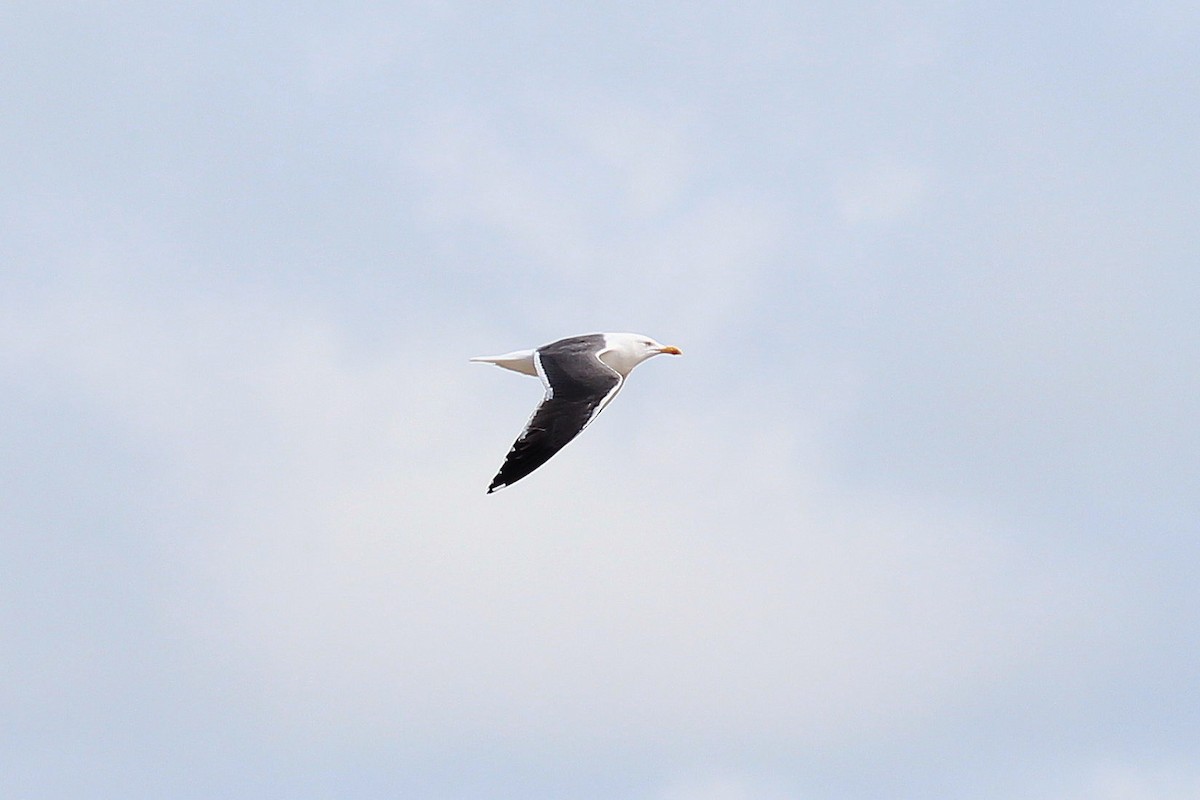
582 374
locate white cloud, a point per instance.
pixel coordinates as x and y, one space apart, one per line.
721 788
882 192
715 583
1139 783
604 225
1124 780
648 157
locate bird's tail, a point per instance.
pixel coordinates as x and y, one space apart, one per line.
518 361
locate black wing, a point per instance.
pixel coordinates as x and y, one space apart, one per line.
578 385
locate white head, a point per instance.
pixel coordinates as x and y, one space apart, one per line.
624 351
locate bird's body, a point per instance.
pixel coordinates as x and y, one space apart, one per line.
582 374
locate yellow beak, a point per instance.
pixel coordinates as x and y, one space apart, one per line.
672 350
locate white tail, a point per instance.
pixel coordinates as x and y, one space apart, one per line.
518 361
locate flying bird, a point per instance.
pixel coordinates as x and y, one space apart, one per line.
582 374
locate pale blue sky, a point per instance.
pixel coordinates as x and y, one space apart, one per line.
915 516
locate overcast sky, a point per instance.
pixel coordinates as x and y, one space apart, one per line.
914 517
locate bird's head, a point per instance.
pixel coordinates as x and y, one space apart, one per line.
627 350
